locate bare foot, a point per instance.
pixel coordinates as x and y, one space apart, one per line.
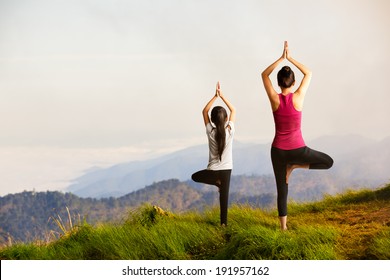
218 184
289 170
283 223
291 167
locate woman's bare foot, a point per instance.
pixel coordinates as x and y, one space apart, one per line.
291 167
283 223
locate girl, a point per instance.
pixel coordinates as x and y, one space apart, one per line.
288 149
220 139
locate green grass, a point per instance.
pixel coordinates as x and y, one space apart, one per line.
353 225
380 248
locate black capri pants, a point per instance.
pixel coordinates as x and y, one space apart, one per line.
282 158
210 177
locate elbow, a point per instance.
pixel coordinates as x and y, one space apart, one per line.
265 75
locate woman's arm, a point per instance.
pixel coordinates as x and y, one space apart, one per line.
299 94
271 92
232 109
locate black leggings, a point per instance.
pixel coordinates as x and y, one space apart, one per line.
211 177
282 158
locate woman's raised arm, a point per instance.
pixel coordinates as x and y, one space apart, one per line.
271 92
302 89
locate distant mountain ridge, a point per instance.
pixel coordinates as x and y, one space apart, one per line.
359 161
123 178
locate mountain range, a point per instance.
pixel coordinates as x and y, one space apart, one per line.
359 162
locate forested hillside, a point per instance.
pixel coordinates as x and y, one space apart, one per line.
28 216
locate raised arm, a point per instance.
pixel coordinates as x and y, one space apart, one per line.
302 89
232 109
206 109
271 92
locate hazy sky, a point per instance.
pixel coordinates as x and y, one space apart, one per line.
93 83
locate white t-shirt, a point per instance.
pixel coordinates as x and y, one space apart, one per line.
226 161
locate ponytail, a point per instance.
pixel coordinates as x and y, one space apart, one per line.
218 117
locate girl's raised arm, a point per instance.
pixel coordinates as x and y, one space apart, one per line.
232 109
206 109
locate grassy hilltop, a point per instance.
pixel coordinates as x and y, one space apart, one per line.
353 225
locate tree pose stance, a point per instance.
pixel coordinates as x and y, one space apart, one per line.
220 139
288 149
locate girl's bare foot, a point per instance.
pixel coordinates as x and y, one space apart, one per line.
218 184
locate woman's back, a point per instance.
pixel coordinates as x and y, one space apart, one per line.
288 134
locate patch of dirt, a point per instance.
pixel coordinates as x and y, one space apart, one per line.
360 225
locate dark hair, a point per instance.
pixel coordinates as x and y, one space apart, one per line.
218 117
286 77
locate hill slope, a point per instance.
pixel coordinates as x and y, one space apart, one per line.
354 225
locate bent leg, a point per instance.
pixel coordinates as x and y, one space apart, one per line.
206 176
284 162
317 160
221 179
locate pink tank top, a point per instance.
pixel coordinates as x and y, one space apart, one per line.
288 134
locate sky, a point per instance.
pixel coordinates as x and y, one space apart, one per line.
92 83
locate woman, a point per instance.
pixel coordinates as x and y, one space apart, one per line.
220 139
288 149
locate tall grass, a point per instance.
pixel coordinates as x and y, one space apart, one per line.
380 248
255 234
318 231
66 227
147 235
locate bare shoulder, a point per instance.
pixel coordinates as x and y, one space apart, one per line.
298 99
275 102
